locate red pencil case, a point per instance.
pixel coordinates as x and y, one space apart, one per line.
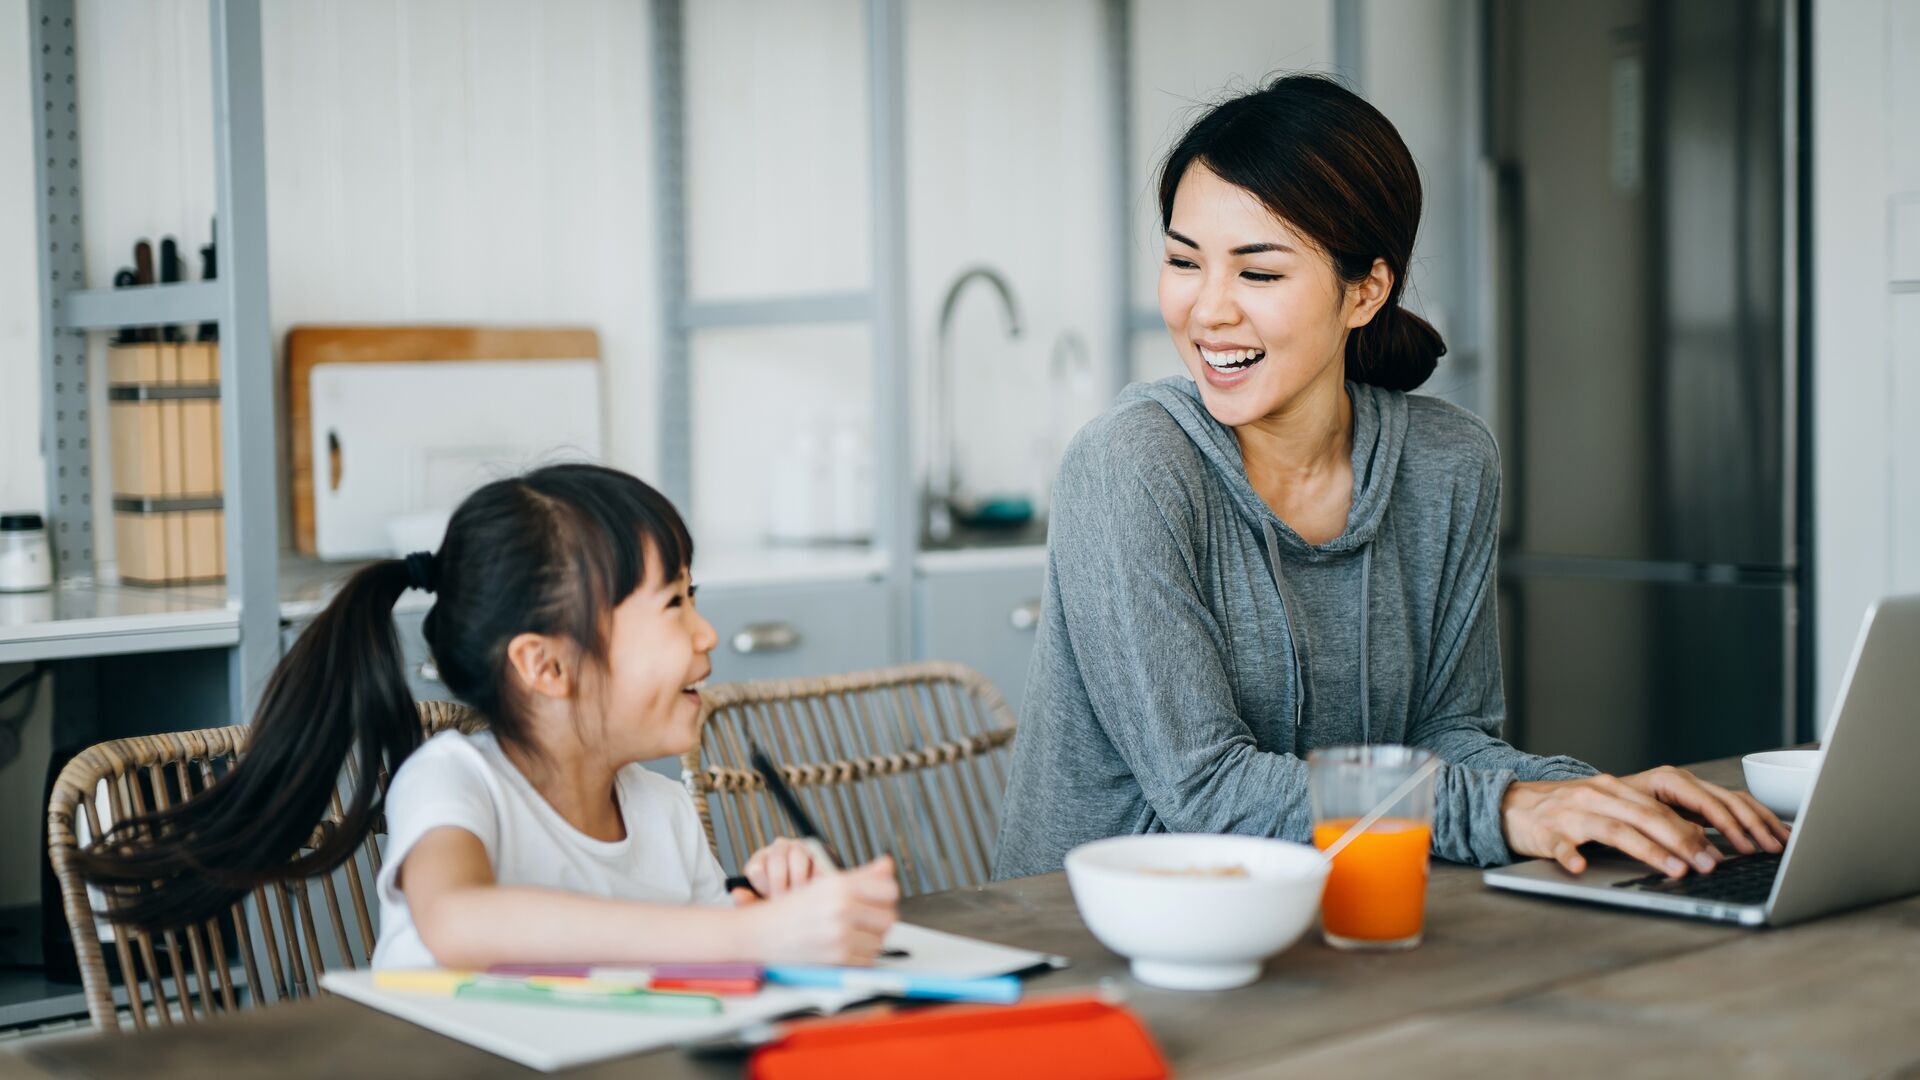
1075 1038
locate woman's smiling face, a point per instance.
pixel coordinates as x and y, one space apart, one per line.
1255 308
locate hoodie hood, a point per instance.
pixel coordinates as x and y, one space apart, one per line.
1379 436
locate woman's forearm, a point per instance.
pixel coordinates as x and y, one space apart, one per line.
478 926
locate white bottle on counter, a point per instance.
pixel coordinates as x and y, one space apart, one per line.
852 458
25 563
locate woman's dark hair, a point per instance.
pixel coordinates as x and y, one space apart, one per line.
1332 167
551 552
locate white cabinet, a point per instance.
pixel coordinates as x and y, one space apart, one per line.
782 631
984 618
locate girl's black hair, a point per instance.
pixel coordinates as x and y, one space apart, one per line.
1331 166
551 552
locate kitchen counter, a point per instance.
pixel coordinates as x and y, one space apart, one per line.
81 620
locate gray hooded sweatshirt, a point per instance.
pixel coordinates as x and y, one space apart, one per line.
1193 648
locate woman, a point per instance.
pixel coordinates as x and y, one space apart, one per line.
1287 551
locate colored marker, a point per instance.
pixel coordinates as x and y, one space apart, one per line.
999 990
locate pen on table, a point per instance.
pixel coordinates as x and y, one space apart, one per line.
1000 989
810 834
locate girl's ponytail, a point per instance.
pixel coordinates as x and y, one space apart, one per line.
341 685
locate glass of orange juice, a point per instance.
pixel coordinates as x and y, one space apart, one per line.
1376 894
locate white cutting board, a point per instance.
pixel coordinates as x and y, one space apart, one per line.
418 437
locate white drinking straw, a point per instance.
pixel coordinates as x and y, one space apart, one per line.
1406 787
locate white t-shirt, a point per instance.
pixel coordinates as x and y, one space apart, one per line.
467 782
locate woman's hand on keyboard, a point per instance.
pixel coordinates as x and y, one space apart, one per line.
1637 816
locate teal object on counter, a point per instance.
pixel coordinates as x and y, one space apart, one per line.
996 512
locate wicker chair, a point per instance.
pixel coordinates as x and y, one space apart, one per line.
187 975
906 760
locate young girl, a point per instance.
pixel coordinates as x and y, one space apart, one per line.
565 616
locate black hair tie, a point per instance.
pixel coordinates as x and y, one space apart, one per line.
423 571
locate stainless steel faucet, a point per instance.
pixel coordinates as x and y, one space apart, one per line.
943 469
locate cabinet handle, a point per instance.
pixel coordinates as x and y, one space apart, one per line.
766 637
429 671
1025 616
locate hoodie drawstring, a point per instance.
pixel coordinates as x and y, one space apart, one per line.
1293 643
1293 647
1366 584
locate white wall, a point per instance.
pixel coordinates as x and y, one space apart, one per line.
1866 359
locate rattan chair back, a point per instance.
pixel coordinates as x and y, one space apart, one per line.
272 946
908 760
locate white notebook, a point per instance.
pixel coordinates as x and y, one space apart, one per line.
548 1037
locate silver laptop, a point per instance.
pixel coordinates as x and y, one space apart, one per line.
1852 841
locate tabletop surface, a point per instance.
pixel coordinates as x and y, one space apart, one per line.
1503 984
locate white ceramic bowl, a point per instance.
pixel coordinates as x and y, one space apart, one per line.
1189 932
1780 778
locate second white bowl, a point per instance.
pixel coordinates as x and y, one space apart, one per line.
1194 931
1780 778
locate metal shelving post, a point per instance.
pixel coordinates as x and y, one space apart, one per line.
897 515
246 351
64 427
238 301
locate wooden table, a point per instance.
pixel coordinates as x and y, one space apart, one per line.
1504 984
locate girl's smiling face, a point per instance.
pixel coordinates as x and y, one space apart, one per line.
1255 309
658 653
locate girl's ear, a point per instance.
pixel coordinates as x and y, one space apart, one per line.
540 665
1365 299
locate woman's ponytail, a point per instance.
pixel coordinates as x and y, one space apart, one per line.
1396 351
342 685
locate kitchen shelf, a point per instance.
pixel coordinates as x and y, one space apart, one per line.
147 305
955 560
82 620
728 568
777 311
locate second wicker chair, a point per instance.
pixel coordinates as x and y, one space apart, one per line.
907 760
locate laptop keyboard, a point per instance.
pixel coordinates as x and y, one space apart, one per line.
1742 879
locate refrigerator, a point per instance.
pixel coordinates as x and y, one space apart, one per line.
1642 287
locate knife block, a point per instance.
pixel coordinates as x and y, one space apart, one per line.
163 399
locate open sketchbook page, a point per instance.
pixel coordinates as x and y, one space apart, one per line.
549 1037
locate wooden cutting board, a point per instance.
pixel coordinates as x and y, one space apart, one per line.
308 346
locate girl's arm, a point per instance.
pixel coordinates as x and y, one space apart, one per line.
467 920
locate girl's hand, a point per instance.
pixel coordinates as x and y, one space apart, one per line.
780 868
833 919
1551 819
